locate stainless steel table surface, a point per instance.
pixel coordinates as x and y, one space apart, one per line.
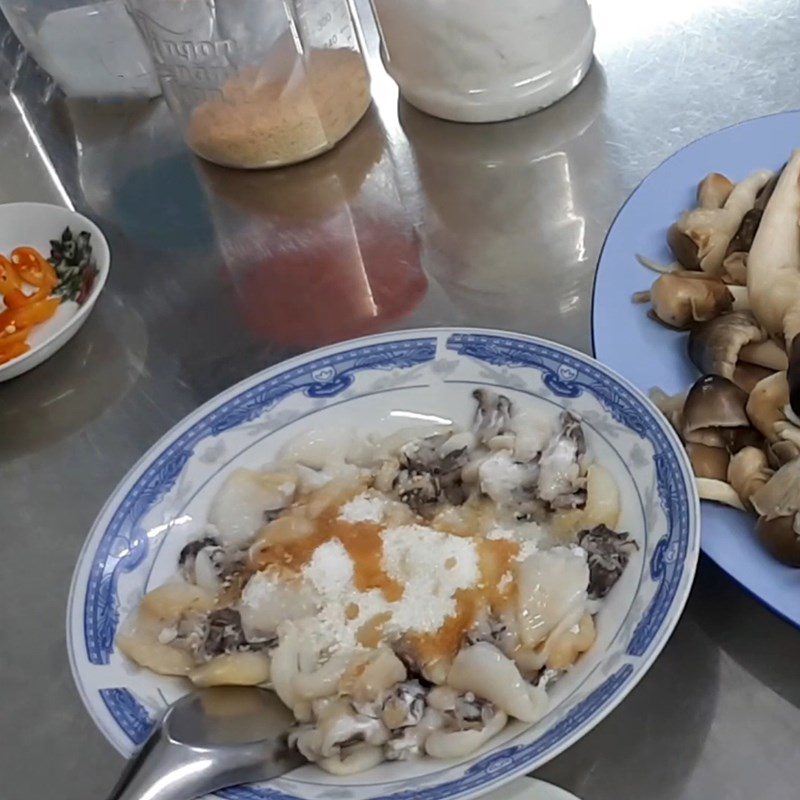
416 222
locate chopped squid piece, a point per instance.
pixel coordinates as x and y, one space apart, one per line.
493 415
507 481
374 675
602 506
165 615
608 556
354 759
561 481
232 669
484 670
405 706
246 501
552 587
458 743
409 742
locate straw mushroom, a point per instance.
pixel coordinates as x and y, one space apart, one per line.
670 405
766 402
714 346
746 376
679 300
719 492
773 272
781 452
780 538
767 353
700 238
793 371
708 462
787 431
735 263
767 409
747 472
683 247
712 424
777 503
714 190
714 414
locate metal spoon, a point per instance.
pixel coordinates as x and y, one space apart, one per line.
209 740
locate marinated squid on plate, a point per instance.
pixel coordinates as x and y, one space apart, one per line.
735 287
404 596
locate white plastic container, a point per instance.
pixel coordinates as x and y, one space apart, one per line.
92 50
485 60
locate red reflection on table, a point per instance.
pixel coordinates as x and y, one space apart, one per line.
346 276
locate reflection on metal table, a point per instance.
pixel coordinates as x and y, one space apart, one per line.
410 222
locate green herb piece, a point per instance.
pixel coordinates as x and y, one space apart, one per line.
75 267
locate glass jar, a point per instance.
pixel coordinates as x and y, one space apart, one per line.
257 83
485 60
91 49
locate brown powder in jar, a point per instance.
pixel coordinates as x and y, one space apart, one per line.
260 122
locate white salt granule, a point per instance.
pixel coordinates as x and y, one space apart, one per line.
260 588
335 625
330 570
167 635
500 475
364 508
527 548
501 533
432 566
342 609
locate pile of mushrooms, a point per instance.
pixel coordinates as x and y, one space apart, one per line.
735 287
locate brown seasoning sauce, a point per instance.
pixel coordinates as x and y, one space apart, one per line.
364 545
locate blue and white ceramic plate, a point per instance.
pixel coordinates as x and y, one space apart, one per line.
651 355
380 383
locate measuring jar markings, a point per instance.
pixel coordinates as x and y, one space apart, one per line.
166 44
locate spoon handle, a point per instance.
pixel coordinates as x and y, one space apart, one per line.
166 770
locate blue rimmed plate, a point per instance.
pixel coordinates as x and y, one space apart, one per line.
650 355
381 383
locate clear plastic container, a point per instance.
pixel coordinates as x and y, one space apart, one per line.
485 60
257 83
92 50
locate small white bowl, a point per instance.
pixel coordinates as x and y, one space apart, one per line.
34 225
